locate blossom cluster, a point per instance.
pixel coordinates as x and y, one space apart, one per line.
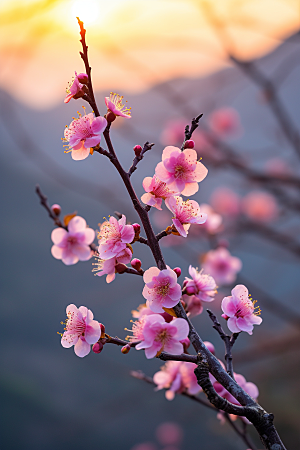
179 172
114 239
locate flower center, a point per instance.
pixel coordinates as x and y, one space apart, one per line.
179 172
163 289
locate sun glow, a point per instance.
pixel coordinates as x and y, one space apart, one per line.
86 10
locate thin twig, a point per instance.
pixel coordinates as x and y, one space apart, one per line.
137 159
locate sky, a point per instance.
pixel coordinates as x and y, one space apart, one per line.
133 44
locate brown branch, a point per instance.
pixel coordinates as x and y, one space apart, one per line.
137 159
88 69
228 341
188 132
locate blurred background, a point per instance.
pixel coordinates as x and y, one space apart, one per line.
235 61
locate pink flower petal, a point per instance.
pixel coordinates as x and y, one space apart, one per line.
83 252
68 340
182 329
89 236
98 125
161 172
150 273
169 150
77 224
228 307
69 258
58 234
79 155
174 347
190 189
179 227
56 252
82 348
93 332
147 184
231 323
92 141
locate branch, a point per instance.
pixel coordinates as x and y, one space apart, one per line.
45 204
84 56
188 132
243 434
137 159
228 341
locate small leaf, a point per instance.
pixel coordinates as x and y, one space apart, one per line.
69 217
170 311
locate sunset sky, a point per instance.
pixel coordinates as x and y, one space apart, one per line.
133 44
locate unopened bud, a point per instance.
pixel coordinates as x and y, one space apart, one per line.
186 343
189 144
225 316
102 328
185 283
83 78
110 116
120 268
125 349
190 290
98 347
56 209
136 227
177 270
210 347
136 264
168 318
137 150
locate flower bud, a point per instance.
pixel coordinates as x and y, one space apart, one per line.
125 349
98 347
137 150
189 144
186 343
83 78
225 316
102 328
177 270
110 116
185 283
168 318
190 290
56 209
136 264
210 346
120 268
136 227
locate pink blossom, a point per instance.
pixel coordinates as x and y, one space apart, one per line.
74 90
249 387
83 134
225 122
169 433
157 335
161 289
173 132
260 206
214 220
225 202
240 311
115 104
186 212
114 236
81 330
73 245
194 305
107 267
221 265
180 170
177 376
157 191
201 285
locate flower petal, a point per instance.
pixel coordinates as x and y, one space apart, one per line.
82 348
